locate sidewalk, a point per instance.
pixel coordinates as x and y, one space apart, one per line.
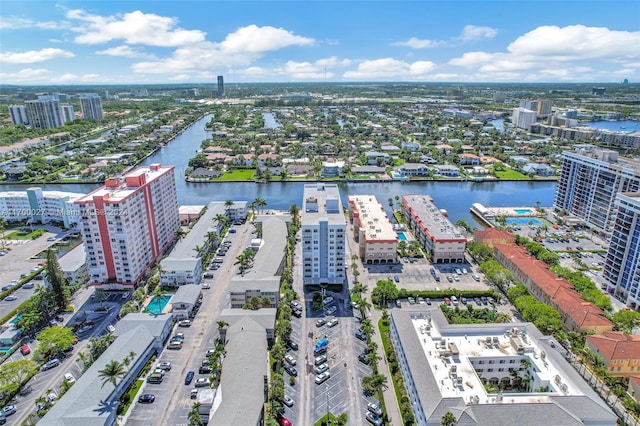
388 393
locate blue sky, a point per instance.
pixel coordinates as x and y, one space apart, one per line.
183 41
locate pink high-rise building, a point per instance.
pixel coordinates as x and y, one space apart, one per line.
127 224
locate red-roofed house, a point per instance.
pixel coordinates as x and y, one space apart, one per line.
577 314
492 236
619 351
634 387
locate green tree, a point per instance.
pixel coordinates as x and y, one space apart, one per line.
626 320
56 280
12 374
448 419
111 372
384 291
52 340
194 415
180 233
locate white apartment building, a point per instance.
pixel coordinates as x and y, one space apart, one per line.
621 272
40 206
128 224
442 240
18 114
522 118
45 113
68 114
377 240
589 180
323 235
91 105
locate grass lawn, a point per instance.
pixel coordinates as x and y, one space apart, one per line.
327 420
384 329
240 174
21 235
133 390
510 174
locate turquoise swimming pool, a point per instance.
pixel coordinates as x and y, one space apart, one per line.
157 305
401 236
524 221
522 211
15 319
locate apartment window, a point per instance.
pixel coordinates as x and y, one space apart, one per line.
489 370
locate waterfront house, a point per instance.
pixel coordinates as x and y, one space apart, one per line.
467 159
447 170
414 169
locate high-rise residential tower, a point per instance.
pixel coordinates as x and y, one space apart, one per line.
18 114
589 181
323 235
91 104
522 118
220 92
128 223
45 113
621 271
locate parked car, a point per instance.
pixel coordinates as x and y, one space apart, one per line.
184 323
164 365
146 398
204 369
203 382
193 394
360 335
322 377
290 359
363 358
332 322
318 369
10 298
373 419
25 349
287 400
68 377
447 301
9 410
51 364
291 370
428 300
374 409
292 345
327 300
320 359
189 378
331 310
396 278
411 300
321 322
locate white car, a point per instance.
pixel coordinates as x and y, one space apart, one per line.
69 378
290 359
202 382
319 369
287 400
327 300
332 322
322 377
331 310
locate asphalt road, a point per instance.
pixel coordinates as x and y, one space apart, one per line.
173 402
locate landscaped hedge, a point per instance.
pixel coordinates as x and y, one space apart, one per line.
439 294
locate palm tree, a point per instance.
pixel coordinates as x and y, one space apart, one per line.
194 415
252 205
180 233
363 306
448 419
221 221
260 202
112 372
221 330
359 289
159 295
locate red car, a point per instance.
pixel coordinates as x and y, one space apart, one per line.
285 422
25 349
447 301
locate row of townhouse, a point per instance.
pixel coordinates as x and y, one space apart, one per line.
577 314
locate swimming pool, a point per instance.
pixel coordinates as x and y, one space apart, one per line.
522 211
157 305
525 221
15 319
401 236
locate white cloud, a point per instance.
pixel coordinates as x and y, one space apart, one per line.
18 23
134 28
549 52
180 77
390 68
416 43
471 32
320 69
85 78
254 39
239 49
33 56
124 51
26 75
576 42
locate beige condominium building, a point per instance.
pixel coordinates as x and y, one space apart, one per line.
377 240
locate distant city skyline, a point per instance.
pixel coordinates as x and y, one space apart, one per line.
145 42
